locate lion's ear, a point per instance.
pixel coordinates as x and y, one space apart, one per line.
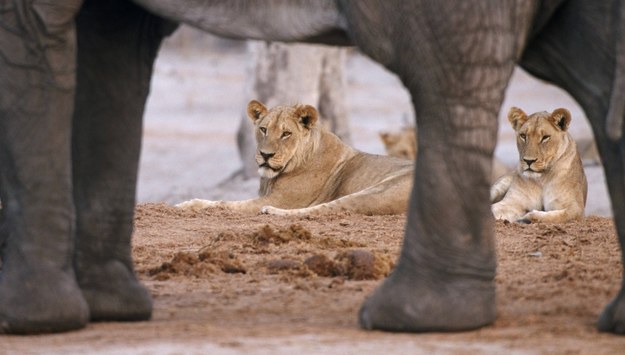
561 118
307 116
255 109
385 137
388 138
516 117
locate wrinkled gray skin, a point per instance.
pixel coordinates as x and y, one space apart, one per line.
70 133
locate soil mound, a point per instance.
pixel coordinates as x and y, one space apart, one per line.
237 251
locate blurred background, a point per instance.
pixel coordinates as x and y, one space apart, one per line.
202 84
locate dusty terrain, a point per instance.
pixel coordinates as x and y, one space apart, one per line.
235 283
228 283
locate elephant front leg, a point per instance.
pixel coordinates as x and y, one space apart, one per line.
444 279
456 69
117 44
38 289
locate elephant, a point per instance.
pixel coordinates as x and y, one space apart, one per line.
74 78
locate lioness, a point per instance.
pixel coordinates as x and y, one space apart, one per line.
306 169
549 184
403 144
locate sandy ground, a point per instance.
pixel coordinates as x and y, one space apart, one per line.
226 283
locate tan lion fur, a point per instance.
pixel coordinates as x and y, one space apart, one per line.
549 184
403 144
305 169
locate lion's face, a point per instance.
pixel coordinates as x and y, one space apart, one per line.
541 138
282 135
400 144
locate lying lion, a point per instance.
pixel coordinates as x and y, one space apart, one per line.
549 184
306 169
403 144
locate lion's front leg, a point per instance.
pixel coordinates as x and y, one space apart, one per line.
519 199
279 211
499 189
535 216
248 206
554 216
318 209
197 204
504 210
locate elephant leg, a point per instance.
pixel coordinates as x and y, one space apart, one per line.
554 56
38 289
456 68
444 278
612 154
117 45
612 318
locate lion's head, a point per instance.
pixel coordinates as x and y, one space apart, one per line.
284 136
541 138
401 144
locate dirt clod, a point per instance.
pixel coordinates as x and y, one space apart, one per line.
322 265
267 234
351 264
364 265
201 264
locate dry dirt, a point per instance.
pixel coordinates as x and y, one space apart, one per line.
225 282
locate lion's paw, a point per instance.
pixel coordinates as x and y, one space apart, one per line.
273 210
197 204
501 216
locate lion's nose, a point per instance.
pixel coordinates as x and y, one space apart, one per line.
529 162
267 156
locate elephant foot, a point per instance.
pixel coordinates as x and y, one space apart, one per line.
613 317
114 294
408 302
40 302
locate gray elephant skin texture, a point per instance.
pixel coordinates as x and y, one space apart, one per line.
75 75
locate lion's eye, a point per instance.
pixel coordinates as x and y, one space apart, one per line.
522 136
286 134
545 139
263 130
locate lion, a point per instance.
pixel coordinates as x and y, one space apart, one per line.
403 144
549 184
306 169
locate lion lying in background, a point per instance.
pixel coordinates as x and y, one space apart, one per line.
403 144
549 184
306 169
